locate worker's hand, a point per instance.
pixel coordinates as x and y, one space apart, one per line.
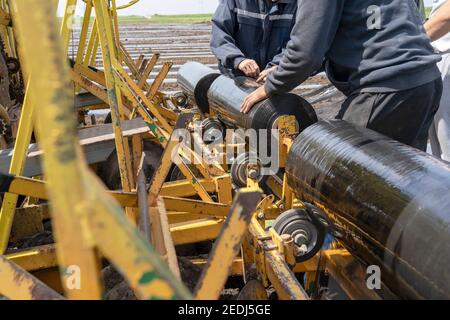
263 75
249 67
253 98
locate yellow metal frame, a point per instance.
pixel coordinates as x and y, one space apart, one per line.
89 221
79 206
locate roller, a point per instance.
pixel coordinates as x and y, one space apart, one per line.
389 202
223 96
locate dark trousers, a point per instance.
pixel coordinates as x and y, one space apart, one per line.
405 116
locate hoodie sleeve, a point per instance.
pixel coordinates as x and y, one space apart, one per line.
224 24
311 38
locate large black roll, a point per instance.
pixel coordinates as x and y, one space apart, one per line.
223 96
390 202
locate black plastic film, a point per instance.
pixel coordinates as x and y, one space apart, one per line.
201 92
389 201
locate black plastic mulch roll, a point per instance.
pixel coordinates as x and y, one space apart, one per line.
389 201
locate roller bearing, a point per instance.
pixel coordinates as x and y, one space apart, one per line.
308 235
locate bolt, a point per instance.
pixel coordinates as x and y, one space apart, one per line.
253 174
261 216
302 249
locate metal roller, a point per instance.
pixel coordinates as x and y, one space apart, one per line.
223 96
389 202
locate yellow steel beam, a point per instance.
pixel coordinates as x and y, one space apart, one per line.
37 258
211 209
349 273
26 124
67 23
38 189
227 245
159 80
20 285
196 231
273 267
39 38
125 247
146 74
282 278
92 46
5 18
85 218
162 238
105 33
183 188
236 268
84 33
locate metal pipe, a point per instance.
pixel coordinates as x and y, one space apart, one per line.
223 96
389 202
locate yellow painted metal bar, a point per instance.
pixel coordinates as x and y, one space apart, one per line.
227 246
126 58
39 38
139 93
115 98
183 188
127 5
162 171
282 278
67 23
148 70
125 247
84 33
80 208
157 83
115 20
20 285
23 139
206 209
273 267
236 268
38 189
196 231
37 258
224 189
93 59
92 43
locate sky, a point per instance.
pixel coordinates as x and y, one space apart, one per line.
150 7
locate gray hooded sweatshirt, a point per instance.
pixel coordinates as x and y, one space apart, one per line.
365 46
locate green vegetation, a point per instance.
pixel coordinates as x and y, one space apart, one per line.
166 19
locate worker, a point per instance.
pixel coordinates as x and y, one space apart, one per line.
376 52
249 36
438 29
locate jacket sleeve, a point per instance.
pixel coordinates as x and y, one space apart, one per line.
277 59
311 39
224 24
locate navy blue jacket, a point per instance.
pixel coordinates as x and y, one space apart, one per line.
368 46
251 29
